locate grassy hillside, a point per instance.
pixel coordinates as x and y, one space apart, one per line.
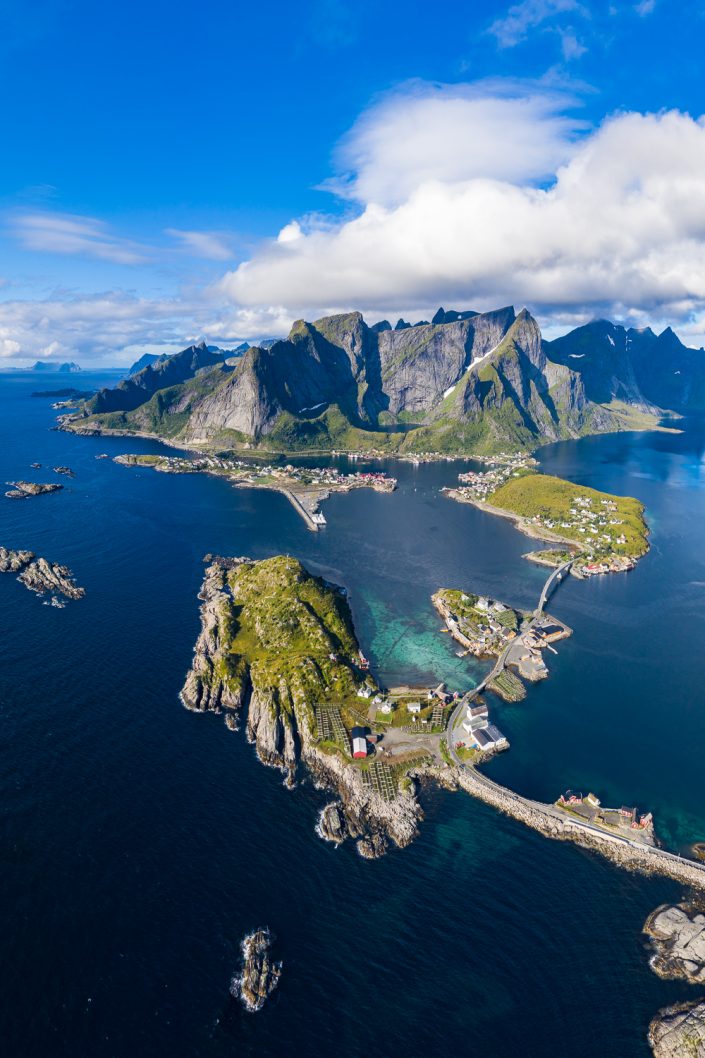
591 518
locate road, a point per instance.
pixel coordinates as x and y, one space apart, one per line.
553 581
496 794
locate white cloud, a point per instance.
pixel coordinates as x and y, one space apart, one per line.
423 133
66 233
646 7
116 328
520 19
209 244
619 228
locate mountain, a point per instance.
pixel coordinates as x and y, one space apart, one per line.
465 382
48 365
164 372
637 366
146 360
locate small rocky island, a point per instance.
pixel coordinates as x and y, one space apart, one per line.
679 1031
260 974
22 490
279 644
39 575
677 935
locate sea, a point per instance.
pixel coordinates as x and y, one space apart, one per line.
139 842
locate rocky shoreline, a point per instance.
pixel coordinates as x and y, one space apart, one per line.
39 575
677 936
281 727
260 973
679 1031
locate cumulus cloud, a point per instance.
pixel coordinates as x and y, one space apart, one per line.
618 228
451 133
66 233
208 244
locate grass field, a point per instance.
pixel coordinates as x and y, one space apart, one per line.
572 511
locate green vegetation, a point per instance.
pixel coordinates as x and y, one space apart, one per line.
508 686
596 520
294 630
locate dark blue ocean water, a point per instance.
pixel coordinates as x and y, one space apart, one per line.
140 842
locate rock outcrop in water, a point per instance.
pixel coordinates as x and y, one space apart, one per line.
280 643
260 974
23 489
679 1031
678 940
39 575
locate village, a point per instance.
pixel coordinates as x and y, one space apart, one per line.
625 821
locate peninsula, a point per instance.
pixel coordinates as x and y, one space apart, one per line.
279 644
305 487
599 532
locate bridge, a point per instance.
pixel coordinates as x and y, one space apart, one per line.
549 819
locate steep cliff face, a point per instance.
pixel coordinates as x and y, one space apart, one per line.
165 371
636 366
279 643
419 364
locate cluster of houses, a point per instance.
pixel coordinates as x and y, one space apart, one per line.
478 485
316 477
591 809
481 734
483 626
595 521
526 654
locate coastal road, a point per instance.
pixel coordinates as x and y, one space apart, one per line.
552 582
500 796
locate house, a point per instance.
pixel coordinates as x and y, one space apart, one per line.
591 799
498 739
386 708
364 691
414 707
359 742
551 631
482 739
475 712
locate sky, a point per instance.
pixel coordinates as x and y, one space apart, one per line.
178 172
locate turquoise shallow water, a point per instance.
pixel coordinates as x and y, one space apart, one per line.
140 842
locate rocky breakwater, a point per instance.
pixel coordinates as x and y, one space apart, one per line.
280 644
260 974
39 575
553 823
678 942
679 1031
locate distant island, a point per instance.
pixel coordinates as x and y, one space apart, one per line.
52 366
465 383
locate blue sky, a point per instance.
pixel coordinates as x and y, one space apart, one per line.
177 171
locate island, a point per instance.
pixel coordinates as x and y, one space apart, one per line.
677 937
488 628
602 533
40 576
259 975
677 934
305 487
280 643
22 490
679 1031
